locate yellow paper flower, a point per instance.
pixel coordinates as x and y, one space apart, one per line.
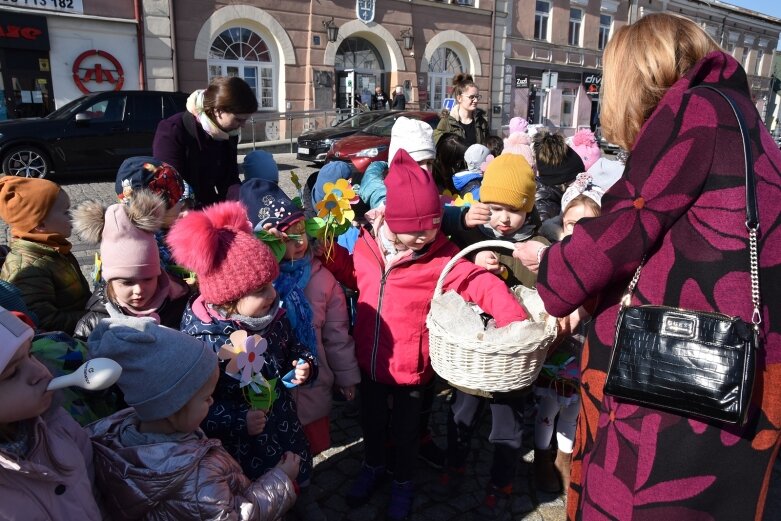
336 207
467 200
341 189
296 181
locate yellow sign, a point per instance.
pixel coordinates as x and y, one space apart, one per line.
43 64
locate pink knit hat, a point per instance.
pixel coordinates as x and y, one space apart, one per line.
218 245
585 144
412 203
126 251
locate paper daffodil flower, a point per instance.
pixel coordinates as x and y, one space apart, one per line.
341 189
337 207
467 200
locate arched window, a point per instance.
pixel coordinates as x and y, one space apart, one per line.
238 51
358 62
443 65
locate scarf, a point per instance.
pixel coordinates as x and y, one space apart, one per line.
195 107
253 324
293 278
54 241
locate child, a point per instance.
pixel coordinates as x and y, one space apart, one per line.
508 189
315 306
468 181
40 262
152 461
259 164
135 284
557 387
519 141
235 273
147 173
449 160
416 138
395 267
557 166
45 457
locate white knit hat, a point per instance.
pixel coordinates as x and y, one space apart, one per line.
414 136
13 333
475 156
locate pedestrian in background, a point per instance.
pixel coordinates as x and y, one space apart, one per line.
201 143
399 99
379 99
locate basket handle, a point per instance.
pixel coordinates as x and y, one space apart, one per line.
466 251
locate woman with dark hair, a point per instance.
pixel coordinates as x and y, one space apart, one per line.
201 143
449 160
464 119
679 211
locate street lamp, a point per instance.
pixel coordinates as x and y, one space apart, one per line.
407 38
331 29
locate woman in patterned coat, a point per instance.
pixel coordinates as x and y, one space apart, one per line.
681 204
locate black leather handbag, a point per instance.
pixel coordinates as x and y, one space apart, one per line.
694 363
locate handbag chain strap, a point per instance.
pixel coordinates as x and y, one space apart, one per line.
752 219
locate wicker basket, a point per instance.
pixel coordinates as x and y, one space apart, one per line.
480 365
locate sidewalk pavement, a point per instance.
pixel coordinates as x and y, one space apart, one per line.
336 467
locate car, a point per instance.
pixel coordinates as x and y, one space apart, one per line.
314 144
372 143
604 144
91 134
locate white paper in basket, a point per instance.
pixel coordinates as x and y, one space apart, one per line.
462 319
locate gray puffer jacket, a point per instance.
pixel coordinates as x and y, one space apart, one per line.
179 476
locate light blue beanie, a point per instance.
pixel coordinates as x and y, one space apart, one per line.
259 164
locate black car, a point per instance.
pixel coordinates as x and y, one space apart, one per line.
94 133
313 144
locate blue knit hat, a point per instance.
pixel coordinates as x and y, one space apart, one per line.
162 368
330 173
259 164
266 203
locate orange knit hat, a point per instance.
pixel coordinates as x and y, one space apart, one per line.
25 201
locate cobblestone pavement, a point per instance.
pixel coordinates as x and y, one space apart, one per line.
335 468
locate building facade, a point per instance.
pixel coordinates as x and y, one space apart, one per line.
52 52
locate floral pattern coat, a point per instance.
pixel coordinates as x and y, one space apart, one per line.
681 204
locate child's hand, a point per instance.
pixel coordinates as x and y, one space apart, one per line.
478 214
289 464
348 392
529 253
275 232
489 261
302 372
256 421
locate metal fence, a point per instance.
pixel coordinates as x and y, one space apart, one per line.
282 129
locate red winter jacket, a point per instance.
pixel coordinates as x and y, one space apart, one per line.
391 337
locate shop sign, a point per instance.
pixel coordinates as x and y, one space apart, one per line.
364 10
19 31
96 67
61 6
592 83
521 79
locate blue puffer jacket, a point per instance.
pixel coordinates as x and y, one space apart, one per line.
227 418
372 187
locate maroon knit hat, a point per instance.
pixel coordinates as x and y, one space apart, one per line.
412 202
218 245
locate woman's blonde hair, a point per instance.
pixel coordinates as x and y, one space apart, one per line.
641 62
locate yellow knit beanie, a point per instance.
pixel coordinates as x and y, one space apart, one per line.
509 180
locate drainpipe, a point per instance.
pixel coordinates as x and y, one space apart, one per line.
174 63
138 10
490 110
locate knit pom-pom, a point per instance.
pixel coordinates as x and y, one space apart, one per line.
88 219
518 125
198 240
584 137
147 211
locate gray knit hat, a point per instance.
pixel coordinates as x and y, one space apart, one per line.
162 368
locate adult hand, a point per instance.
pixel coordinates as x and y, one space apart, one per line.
478 214
256 421
529 253
302 372
290 464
